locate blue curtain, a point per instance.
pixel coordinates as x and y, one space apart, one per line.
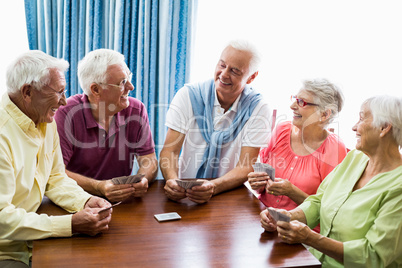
154 36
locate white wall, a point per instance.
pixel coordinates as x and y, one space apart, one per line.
355 44
14 39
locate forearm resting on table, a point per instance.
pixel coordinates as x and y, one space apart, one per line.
169 155
326 245
148 165
230 180
88 184
238 175
169 164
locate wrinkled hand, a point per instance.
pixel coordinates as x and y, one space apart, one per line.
115 193
258 180
202 193
279 187
173 191
97 202
140 187
267 222
89 221
293 232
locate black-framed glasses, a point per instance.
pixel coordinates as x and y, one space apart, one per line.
122 84
301 102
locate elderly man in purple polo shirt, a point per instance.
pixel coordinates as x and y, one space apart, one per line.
103 130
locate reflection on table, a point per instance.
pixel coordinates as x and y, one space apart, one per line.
225 232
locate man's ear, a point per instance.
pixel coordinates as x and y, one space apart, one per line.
95 89
252 77
26 92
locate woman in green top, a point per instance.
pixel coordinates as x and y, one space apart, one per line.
359 204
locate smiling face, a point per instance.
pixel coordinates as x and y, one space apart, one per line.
232 74
45 102
307 115
367 136
114 93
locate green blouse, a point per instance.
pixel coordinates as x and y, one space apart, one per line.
368 221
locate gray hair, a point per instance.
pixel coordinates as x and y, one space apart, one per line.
326 94
387 110
32 67
244 45
93 67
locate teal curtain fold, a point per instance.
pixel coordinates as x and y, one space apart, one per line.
154 36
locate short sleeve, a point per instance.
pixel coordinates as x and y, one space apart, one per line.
145 141
65 144
180 111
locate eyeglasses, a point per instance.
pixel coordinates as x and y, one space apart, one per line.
122 84
60 94
301 102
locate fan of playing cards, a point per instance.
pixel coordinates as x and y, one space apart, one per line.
262 167
278 216
128 179
188 183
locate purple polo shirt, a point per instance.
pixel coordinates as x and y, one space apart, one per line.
91 151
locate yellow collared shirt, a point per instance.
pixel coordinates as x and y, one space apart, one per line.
31 166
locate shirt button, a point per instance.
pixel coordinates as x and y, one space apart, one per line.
295 157
291 168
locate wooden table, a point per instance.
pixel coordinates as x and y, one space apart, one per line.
225 232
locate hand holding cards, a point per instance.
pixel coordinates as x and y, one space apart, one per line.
188 183
109 207
128 179
278 216
262 167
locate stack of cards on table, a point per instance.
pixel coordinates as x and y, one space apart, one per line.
128 179
277 215
188 183
262 167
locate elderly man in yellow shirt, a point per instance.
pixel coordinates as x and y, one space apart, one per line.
31 163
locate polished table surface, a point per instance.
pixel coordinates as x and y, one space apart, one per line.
225 232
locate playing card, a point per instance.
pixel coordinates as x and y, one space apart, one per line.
128 179
188 183
167 216
283 217
278 216
135 178
273 213
263 167
118 203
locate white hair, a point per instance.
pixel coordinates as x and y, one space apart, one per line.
244 45
93 67
387 110
32 67
326 94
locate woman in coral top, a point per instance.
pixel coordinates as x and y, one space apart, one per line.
302 152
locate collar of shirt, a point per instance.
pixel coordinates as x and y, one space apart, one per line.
21 119
233 108
223 120
90 121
